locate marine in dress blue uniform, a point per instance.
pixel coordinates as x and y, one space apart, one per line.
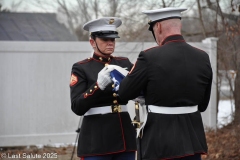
106 131
176 79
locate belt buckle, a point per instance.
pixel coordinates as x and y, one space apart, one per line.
116 108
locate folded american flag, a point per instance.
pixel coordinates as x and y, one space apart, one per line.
117 74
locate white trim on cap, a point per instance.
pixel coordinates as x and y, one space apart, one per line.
163 13
102 28
103 24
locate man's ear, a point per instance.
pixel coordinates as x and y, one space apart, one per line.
159 27
92 42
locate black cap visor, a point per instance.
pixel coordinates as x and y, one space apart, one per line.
105 34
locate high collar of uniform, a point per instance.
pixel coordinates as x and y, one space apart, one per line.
101 58
176 37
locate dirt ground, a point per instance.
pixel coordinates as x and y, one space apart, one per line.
223 144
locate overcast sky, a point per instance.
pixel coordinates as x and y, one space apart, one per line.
30 6
25 6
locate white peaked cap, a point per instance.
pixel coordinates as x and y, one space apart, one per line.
164 13
103 24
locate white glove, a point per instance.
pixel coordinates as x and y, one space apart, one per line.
104 78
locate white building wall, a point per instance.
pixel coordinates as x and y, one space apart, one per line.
35 95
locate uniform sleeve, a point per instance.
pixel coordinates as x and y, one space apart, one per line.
132 85
204 104
82 98
130 65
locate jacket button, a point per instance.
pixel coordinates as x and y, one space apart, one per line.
115 101
114 95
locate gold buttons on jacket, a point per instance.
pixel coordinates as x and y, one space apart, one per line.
86 94
113 86
90 90
114 94
106 64
100 58
95 87
115 101
109 59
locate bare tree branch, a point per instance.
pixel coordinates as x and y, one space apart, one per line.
201 19
95 7
67 12
219 12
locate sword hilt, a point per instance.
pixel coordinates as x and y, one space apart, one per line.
137 122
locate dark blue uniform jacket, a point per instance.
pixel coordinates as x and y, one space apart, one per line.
100 134
172 75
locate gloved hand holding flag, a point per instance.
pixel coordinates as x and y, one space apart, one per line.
117 74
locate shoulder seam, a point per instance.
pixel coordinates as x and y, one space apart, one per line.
199 49
151 48
85 61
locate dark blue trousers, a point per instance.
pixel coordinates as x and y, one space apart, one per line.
193 157
116 156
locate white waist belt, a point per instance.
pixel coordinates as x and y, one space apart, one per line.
172 110
165 110
106 109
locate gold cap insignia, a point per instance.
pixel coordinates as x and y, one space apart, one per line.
111 21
